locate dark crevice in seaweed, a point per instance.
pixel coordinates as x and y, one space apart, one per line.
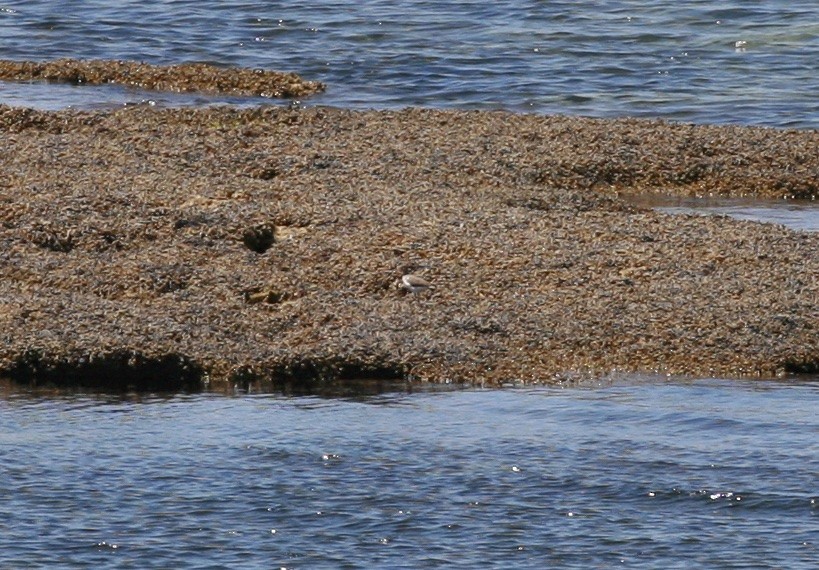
307 376
117 371
805 367
130 371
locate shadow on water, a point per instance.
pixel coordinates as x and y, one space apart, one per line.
372 390
349 389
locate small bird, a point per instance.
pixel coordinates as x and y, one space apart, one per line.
415 284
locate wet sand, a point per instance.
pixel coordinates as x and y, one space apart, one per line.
168 248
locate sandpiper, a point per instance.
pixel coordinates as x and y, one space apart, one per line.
415 284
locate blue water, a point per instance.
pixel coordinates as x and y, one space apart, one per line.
726 62
653 473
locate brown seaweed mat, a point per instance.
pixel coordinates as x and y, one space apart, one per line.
186 77
167 248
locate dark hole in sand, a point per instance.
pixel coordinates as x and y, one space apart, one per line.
259 238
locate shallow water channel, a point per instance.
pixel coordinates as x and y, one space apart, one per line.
643 472
802 215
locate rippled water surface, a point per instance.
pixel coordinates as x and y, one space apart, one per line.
725 62
652 474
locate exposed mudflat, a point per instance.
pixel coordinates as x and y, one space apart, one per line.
166 248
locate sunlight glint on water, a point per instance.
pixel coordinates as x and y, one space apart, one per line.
648 59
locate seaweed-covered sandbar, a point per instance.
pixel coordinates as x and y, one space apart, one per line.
168 248
181 78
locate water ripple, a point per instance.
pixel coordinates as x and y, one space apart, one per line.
659 474
692 62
